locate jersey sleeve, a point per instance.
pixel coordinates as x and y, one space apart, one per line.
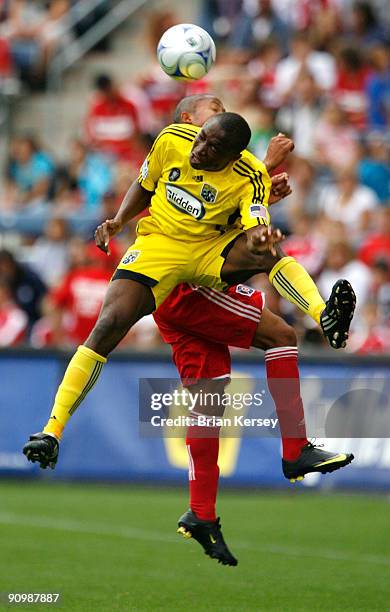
152 168
256 188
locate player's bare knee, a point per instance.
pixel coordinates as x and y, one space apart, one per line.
241 263
276 335
267 261
270 260
264 262
285 336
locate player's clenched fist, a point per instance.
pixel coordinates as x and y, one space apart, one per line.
262 239
105 232
278 149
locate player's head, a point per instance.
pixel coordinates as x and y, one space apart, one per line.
197 109
220 141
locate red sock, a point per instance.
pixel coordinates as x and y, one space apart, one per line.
282 363
203 473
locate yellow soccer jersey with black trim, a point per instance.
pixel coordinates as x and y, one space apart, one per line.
190 204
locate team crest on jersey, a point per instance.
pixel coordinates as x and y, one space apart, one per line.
245 290
258 210
208 193
130 257
174 174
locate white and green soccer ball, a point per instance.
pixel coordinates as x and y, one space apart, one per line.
186 52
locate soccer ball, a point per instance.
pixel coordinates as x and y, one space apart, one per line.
186 52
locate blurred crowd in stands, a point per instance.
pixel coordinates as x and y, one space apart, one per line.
318 70
33 31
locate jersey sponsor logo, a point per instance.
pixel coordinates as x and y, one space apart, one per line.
245 290
145 169
198 178
258 210
174 174
184 201
130 257
209 193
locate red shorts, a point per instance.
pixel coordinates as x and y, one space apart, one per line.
200 324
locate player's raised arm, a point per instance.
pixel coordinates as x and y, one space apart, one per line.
135 201
138 196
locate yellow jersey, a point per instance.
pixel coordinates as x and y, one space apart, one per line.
190 204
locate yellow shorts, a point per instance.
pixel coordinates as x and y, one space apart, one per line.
161 262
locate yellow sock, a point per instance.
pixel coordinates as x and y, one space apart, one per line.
80 376
291 280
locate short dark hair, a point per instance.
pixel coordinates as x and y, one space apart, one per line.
367 12
6 255
237 130
352 58
188 105
103 82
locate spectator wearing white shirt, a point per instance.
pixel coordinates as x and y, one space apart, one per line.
303 58
13 320
349 202
340 263
334 139
257 23
300 118
49 255
306 188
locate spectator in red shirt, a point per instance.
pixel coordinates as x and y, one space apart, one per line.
5 58
264 69
162 91
13 320
306 244
351 83
75 304
377 245
371 336
112 124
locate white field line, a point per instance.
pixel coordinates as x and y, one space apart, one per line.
133 533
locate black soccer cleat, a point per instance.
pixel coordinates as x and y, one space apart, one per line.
208 534
314 459
338 314
42 448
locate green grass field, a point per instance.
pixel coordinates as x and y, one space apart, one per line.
114 548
